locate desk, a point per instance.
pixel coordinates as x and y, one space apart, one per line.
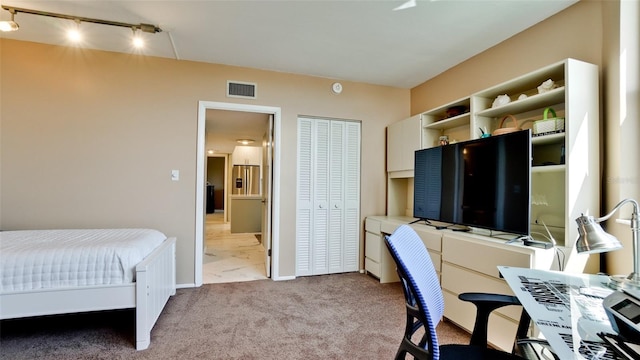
567 308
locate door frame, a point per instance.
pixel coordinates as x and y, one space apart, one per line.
201 156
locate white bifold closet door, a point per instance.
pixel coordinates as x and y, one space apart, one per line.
328 196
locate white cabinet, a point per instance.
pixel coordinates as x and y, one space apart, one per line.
403 139
565 179
328 197
465 262
378 261
564 183
246 155
470 264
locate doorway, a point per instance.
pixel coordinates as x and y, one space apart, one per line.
271 199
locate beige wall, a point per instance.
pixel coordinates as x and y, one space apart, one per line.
89 139
573 33
605 33
621 178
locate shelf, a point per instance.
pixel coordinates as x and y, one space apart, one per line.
552 97
460 120
548 139
538 169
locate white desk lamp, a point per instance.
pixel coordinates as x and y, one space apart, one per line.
593 239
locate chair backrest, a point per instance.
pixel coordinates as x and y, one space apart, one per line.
418 274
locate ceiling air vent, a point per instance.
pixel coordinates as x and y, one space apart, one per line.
240 89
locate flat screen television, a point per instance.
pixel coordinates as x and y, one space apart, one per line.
483 183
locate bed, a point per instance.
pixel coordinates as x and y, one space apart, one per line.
46 272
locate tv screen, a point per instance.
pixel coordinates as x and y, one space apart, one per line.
482 183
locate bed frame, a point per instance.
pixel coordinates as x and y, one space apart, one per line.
155 283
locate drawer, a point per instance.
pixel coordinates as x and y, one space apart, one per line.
483 258
432 240
458 280
501 331
372 267
372 246
436 259
372 225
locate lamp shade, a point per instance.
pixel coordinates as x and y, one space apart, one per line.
592 238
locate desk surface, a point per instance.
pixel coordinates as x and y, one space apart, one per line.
567 308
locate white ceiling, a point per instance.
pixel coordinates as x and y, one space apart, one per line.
358 40
225 127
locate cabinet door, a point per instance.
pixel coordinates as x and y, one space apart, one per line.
394 147
246 155
254 155
403 139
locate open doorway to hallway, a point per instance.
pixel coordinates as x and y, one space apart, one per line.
226 245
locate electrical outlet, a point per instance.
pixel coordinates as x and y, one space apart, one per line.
175 175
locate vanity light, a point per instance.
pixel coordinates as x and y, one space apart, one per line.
245 141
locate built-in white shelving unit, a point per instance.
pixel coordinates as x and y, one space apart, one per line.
565 182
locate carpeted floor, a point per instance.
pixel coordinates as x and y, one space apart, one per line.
345 316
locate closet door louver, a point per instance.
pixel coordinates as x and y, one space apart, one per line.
351 252
304 193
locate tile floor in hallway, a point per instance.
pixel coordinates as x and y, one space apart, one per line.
230 257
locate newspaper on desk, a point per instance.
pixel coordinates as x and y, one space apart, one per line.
567 308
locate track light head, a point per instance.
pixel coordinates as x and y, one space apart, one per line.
9 25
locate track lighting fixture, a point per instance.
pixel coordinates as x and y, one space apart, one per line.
9 25
13 26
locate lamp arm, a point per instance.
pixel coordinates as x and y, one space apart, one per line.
635 210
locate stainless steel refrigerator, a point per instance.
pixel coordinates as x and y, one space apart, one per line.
246 180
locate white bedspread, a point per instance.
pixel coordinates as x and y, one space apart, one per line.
43 259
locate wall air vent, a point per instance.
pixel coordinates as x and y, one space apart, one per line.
240 89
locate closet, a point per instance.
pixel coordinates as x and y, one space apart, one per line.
328 196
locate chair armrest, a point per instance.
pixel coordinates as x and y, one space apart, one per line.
485 303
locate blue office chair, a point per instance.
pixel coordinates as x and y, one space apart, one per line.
425 305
